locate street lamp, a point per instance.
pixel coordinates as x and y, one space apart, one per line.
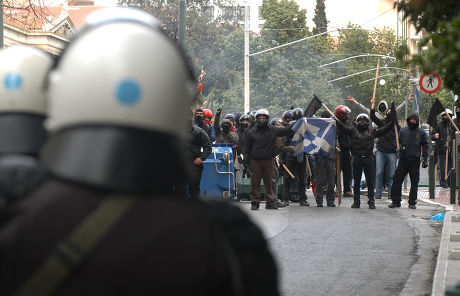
247 54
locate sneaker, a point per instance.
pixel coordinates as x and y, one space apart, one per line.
413 207
372 206
271 207
331 205
254 206
355 206
304 203
348 194
286 203
378 197
320 205
392 206
280 204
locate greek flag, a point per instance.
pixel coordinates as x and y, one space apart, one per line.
315 136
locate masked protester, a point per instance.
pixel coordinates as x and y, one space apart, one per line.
443 135
224 134
201 123
342 113
386 153
22 115
207 114
325 174
382 107
259 149
362 144
113 158
412 141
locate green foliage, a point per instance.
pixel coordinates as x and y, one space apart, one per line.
441 19
320 18
284 22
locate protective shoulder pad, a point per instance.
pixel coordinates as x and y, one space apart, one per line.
19 174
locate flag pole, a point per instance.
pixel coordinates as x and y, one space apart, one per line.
375 83
339 181
324 105
451 120
311 175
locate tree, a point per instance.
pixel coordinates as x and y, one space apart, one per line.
284 22
441 20
320 18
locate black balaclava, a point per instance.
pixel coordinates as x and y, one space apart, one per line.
261 123
226 128
362 126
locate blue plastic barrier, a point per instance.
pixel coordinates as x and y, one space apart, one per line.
218 178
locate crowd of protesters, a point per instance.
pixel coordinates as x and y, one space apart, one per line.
372 144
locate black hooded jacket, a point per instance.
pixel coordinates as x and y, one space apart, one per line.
386 143
259 142
413 141
198 139
362 142
446 133
343 138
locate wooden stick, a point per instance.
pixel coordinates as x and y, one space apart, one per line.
451 120
332 114
447 160
435 174
339 181
375 83
237 163
288 171
312 182
277 160
397 137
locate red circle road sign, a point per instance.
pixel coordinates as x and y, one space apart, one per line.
430 83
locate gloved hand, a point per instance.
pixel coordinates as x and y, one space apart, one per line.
402 148
424 164
219 111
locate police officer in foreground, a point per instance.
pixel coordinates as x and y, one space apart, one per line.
106 222
23 70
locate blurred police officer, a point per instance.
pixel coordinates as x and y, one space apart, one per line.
23 70
107 221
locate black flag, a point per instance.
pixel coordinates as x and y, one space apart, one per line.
314 106
394 116
434 111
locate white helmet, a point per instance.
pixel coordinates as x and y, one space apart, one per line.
112 95
23 107
119 71
362 116
23 70
262 112
448 111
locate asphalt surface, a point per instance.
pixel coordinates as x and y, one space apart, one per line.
344 251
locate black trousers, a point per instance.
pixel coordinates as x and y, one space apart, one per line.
345 166
298 169
325 177
193 183
406 166
366 163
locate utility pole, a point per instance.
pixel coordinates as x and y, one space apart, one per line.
246 59
182 24
1 26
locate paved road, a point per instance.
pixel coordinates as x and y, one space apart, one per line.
344 251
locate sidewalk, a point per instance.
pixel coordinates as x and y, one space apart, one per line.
447 272
442 196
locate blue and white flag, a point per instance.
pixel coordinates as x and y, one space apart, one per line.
315 136
416 100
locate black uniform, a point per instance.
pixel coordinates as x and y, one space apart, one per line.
412 140
345 156
362 144
443 146
199 146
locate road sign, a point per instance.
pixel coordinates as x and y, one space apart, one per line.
430 83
